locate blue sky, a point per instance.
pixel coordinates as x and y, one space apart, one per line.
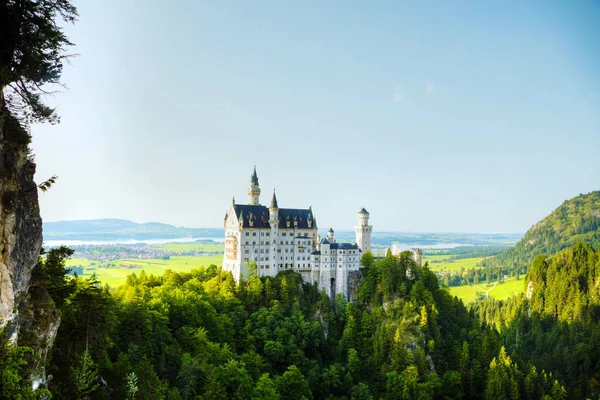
435 116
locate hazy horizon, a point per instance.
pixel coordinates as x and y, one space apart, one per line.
449 117
324 229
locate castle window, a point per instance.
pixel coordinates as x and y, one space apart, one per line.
253 233
247 233
262 234
247 252
268 233
283 234
253 243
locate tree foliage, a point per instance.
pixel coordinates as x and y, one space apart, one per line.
32 53
576 220
184 335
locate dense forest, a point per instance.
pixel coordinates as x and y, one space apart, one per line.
555 324
199 335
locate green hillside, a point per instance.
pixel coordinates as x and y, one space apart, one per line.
576 220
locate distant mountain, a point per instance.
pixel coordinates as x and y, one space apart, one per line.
576 220
121 229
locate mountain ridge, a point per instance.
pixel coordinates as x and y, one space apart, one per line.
110 229
115 228
575 220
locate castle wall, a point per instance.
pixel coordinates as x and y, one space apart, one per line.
279 244
287 249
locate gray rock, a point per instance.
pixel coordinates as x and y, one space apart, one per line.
20 234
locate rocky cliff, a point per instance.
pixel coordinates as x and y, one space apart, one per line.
27 314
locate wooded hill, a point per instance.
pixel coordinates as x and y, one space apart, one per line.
576 220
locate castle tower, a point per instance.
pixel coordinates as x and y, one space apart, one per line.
254 190
330 235
418 256
273 210
274 223
363 231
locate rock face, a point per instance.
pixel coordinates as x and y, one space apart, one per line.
27 314
39 321
353 283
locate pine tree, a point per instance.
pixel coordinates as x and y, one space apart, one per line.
85 377
265 389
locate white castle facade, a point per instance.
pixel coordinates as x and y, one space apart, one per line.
279 239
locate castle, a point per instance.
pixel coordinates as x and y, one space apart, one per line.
277 239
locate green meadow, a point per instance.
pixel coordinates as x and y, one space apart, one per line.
443 263
115 276
468 293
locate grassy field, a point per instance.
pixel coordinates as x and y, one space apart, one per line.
436 258
468 293
442 263
79 262
116 276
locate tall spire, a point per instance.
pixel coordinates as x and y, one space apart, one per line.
274 201
254 189
254 177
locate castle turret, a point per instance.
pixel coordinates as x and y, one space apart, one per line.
363 231
254 190
274 223
418 256
330 235
273 210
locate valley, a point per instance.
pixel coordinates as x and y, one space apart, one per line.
393 133
499 291
113 263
